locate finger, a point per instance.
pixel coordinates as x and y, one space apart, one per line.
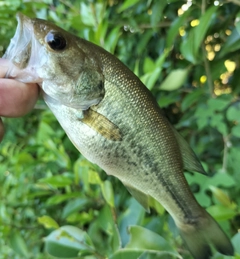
1 130
16 98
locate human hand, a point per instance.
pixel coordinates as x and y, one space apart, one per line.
16 98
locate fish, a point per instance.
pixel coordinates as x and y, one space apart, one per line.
115 122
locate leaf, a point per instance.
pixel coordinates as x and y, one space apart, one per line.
59 198
236 131
157 10
127 4
236 242
132 216
107 191
237 24
191 98
146 243
191 45
18 244
174 80
174 29
74 206
48 222
126 254
94 178
57 180
231 44
155 69
107 224
217 104
233 113
144 239
222 197
220 212
68 242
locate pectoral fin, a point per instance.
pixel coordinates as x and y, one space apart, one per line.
190 160
102 125
141 197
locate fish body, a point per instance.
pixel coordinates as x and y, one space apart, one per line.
114 121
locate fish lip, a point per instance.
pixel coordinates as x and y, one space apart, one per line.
21 51
20 40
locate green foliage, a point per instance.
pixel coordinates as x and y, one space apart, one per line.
54 203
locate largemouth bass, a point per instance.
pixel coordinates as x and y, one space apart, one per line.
114 121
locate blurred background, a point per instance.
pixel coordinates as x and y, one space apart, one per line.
55 203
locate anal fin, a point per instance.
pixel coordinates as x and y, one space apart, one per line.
141 197
190 160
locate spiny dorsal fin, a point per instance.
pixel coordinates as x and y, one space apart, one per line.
190 160
141 197
102 125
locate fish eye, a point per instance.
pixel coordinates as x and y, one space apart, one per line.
56 41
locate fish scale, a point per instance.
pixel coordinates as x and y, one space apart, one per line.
114 121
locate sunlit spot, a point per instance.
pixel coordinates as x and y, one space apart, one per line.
182 32
228 32
203 79
209 38
194 22
216 3
217 47
208 47
180 12
210 55
218 90
230 65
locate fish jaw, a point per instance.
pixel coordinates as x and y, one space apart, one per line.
25 53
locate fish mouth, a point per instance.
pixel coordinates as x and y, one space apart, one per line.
23 52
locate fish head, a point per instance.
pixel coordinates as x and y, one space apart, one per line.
58 61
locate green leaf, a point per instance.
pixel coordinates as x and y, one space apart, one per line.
222 197
144 239
48 222
231 44
127 4
155 69
217 104
237 23
174 29
191 45
93 177
18 244
191 98
57 180
236 131
236 242
132 216
148 65
220 212
68 242
107 224
107 191
59 198
157 10
174 80
74 205
126 254
233 113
